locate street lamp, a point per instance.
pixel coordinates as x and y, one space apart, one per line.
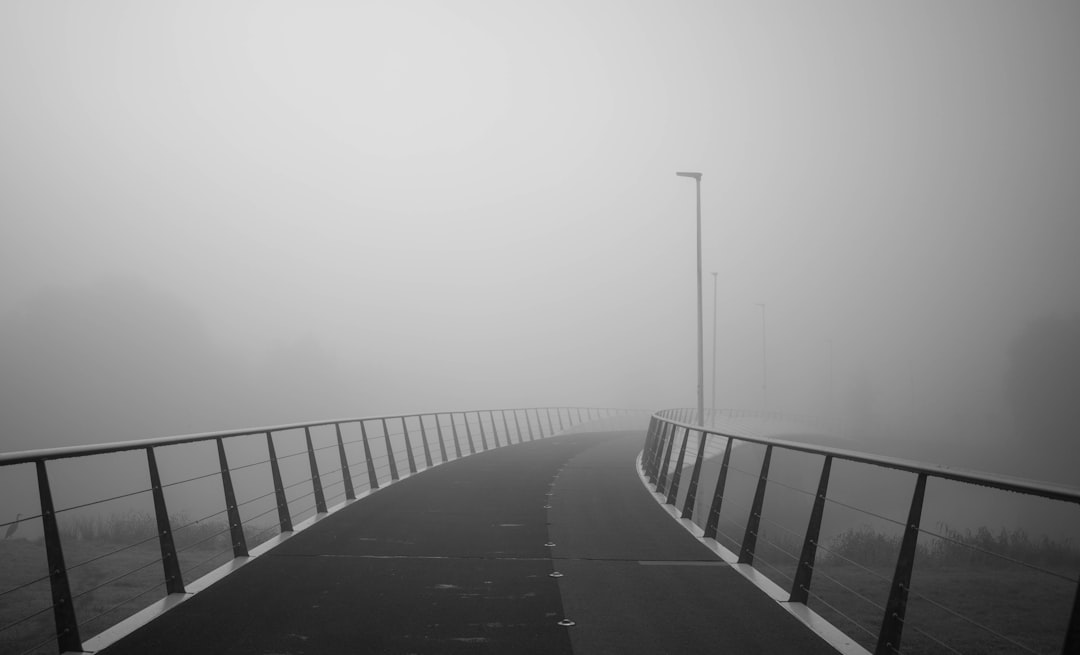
700 338
764 365
714 344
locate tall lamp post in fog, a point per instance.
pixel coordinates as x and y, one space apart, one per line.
764 361
700 336
714 345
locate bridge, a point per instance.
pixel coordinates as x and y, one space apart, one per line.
540 530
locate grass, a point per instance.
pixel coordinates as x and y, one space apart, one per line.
114 570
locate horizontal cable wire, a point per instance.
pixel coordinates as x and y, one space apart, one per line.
850 590
777 546
38 645
198 477
121 604
936 640
27 617
104 500
198 521
759 560
20 520
24 585
203 540
812 494
857 564
853 621
973 622
865 511
215 556
247 466
119 577
1033 567
118 550
251 500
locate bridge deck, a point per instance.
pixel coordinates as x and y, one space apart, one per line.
455 561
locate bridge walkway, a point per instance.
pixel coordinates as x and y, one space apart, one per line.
460 559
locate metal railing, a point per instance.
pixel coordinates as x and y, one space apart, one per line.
388 444
664 460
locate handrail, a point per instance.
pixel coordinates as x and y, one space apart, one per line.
665 474
67 634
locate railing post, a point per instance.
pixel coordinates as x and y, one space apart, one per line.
408 446
551 424
174 581
558 414
713 521
517 426
316 481
539 422
284 520
578 410
892 626
468 433
236 529
442 441
1072 633
528 423
389 452
661 481
423 437
346 474
494 429
457 442
749 542
373 480
800 586
67 626
691 489
648 448
659 441
506 427
673 490
483 433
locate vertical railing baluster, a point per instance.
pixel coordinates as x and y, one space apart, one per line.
558 412
661 481
236 528
528 424
67 626
468 433
442 440
174 581
676 475
346 474
517 426
800 586
691 489
495 429
547 411
316 481
423 437
1072 633
373 479
713 522
408 446
390 452
284 520
892 626
483 433
457 442
539 422
659 441
578 410
506 427
647 449
749 543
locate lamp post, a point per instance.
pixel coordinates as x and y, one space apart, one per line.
764 361
700 337
714 345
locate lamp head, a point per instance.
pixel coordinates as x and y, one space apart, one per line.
696 176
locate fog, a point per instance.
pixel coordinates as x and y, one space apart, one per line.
227 214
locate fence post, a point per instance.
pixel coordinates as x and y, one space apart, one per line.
174 581
316 481
346 474
494 429
892 626
483 433
457 442
506 427
67 626
800 586
408 446
1072 633
468 433
528 424
673 490
517 426
236 529
558 413
389 452
749 542
661 481
713 522
423 438
284 520
442 441
373 480
691 489
578 410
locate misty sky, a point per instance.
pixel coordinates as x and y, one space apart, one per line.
473 204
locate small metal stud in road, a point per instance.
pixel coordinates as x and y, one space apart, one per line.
566 623
550 544
555 574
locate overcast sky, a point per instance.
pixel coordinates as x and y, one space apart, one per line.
473 204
